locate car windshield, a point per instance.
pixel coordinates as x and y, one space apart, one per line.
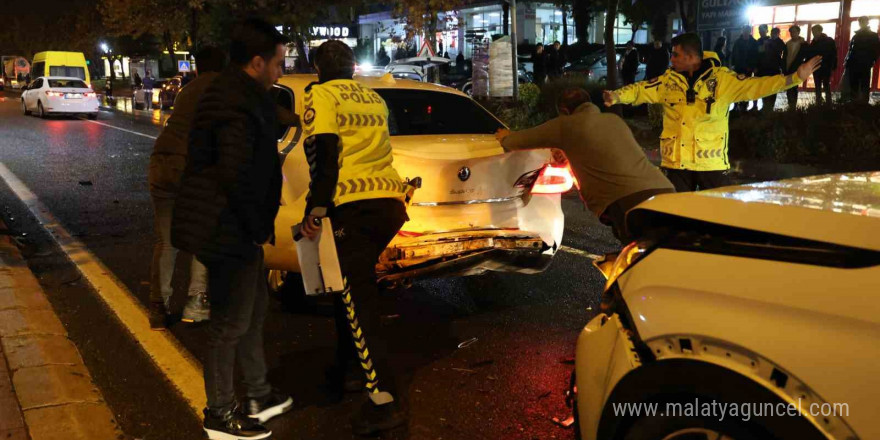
424 112
67 84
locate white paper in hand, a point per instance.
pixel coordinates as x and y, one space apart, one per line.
318 261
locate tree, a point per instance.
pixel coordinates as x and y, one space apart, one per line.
637 13
136 18
422 16
610 51
687 10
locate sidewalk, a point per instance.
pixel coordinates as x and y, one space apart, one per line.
46 392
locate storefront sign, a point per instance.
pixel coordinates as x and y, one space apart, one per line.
332 31
722 14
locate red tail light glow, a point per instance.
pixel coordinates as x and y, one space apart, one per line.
554 179
56 94
409 234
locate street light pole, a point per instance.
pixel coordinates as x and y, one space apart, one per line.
513 41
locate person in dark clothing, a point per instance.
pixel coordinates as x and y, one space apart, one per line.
795 54
825 47
770 63
539 63
721 50
555 61
459 62
364 219
382 58
137 80
744 59
864 49
225 212
657 59
629 65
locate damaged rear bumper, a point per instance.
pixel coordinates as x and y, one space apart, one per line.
464 257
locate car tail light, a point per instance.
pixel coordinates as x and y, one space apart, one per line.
90 94
409 234
554 179
56 94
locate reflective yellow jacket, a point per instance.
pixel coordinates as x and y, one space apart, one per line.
695 131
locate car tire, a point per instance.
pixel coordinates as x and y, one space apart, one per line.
40 112
93 116
24 108
287 288
468 90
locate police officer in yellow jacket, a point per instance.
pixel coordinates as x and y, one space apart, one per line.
696 93
354 183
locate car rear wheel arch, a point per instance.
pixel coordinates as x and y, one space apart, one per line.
684 381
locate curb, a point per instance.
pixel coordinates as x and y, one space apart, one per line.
43 376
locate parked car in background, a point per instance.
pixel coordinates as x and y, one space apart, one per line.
168 92
760 298
138 100
59 95
595 67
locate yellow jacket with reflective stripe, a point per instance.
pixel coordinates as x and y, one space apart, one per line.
695 134
359 117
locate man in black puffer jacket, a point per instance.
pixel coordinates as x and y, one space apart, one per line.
224 213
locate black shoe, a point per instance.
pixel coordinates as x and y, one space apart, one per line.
371 418
158 314
233 426
268 407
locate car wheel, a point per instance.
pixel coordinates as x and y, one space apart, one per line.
468 90
93 116
40 112
24 108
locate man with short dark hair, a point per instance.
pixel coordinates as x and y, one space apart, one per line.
224 214
614 173
539 64
794 55
744 59
863 52
148 83
629 65
555 61
825 47
770 63
696 93
354 183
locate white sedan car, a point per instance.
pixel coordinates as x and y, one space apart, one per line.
746 312
59 95
479 208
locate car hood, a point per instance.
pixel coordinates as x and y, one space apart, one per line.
842 209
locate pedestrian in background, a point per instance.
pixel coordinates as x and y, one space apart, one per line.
657 59
614 173
539 64
825 47
721 50
863 52
770 63
364 218
744 59
794 55
459 62
224 214
629 65
167 163
137 80
555 61
149 83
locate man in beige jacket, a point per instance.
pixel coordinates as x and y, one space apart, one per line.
611 166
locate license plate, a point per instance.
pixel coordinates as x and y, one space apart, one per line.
73 96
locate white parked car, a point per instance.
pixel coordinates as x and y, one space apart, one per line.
479 208
59 95
746 312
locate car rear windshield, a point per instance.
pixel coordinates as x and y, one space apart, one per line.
73 72
423 112
67 84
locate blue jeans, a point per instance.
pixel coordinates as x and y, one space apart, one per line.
239 301
165 256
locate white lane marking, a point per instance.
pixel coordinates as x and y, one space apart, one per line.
580 253
122 129
181 368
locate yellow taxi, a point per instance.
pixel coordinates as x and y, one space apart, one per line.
479 207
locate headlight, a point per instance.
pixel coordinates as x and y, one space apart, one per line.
626 258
